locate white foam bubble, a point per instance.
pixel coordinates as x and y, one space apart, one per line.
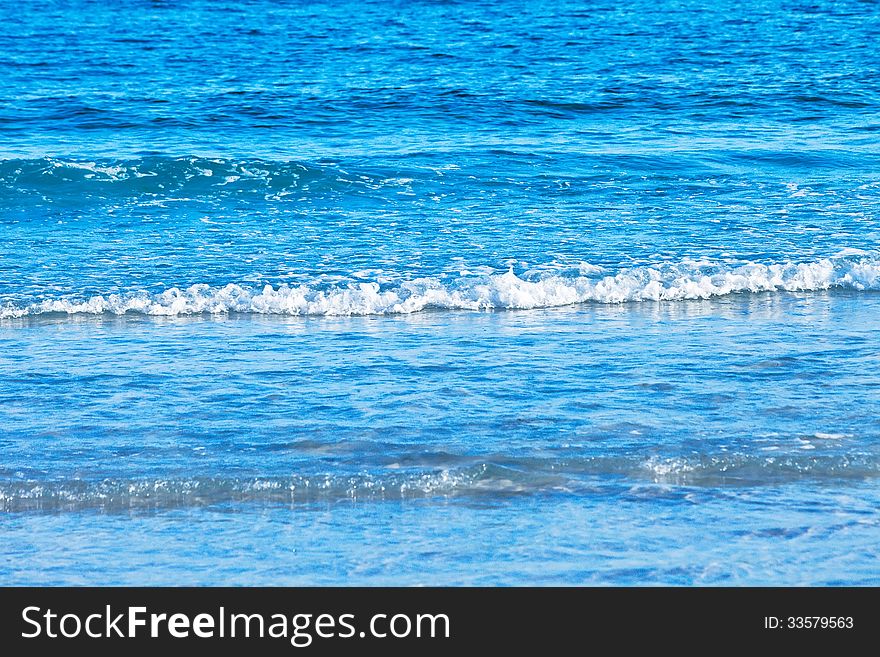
831 436
667 282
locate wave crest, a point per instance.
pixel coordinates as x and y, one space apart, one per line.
495 479
682 281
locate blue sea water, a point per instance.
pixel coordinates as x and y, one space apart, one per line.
439 292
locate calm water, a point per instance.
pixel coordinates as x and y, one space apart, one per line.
439 292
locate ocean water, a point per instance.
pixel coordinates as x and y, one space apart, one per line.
439 292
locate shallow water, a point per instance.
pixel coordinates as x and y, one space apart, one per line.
594 441
439 293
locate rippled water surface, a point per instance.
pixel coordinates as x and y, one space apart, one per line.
439 292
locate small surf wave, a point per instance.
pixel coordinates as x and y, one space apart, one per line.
472 479
188 176
668 282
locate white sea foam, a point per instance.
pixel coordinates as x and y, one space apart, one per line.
686 280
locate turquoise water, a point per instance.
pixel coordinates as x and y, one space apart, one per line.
439 293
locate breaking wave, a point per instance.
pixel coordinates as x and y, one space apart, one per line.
851 269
